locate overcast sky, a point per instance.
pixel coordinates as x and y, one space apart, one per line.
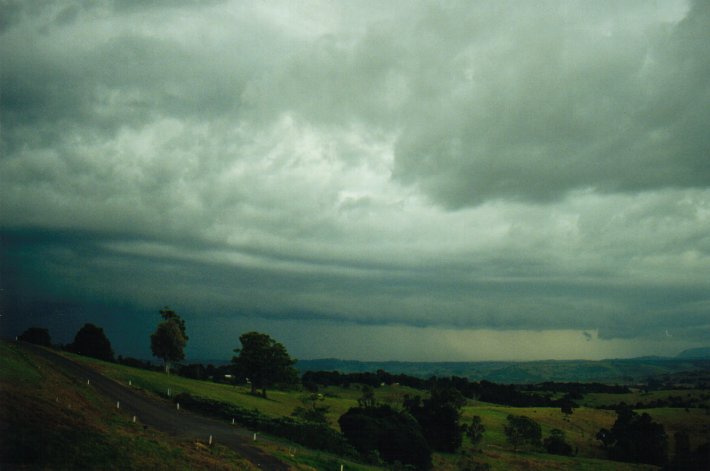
372 180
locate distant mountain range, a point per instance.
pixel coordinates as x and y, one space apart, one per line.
702 353
621 371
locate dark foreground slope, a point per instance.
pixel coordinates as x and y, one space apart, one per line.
58 414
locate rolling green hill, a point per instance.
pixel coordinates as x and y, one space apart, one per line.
609 371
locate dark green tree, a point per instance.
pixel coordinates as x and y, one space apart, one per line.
394 436
635 438
522 431
567 407
264 362
311 411
170 315
475 430
439 417
555 444
91 341
36 335
170 338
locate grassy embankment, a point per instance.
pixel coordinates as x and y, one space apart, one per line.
52 422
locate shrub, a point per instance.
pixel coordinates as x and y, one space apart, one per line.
394 436
36 335
312 435
555 444
522 430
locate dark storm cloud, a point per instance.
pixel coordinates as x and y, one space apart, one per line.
430 167
563 103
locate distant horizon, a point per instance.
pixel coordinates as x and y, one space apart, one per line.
210 359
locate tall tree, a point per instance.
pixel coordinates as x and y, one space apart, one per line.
169 339
264 362
439 417
170 315
91 341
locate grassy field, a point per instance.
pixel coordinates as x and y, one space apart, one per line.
117 437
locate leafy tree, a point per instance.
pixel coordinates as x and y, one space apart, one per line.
393 435
439 417
475 430
36 335
170 315
264 362
311 411
169 339
567 407
168 343
635 438
555 444
522 430
91 341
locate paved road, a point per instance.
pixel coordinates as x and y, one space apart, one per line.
165 416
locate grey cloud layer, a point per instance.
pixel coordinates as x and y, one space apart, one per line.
481 165
562 101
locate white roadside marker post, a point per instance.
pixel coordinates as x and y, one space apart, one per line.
210 440
178 406
134 419
118 405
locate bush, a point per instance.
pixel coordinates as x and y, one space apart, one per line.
394 436
91 341
555 444
309 434
522 430
36 335
439 417
635 438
